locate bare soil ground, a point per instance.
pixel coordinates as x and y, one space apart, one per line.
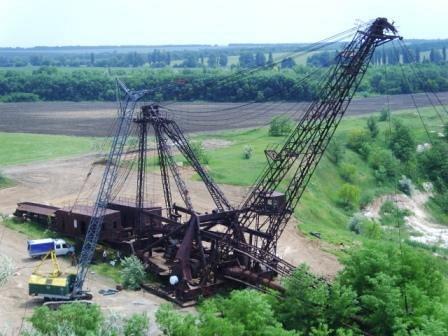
17 305
423 228
96 118
58 182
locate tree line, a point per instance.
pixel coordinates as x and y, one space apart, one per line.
273 83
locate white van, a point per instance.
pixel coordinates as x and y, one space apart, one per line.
40 247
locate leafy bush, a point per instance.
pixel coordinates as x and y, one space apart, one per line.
372 127
405 185
247 152
355 222
78 318
391 215
348 196
242 313
384 164
441 199
402 142
280 126
136 325
359 141
384 115
399 289
366 198
132 272
347 172
434 165
310 303
199 151
335 151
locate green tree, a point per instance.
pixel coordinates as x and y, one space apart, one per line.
223 60
288 63
270 59
348 196
402 142
247 60
212 60
260 59
399 288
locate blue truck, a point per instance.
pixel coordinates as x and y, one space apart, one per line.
40 247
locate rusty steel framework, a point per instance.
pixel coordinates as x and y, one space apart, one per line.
196 253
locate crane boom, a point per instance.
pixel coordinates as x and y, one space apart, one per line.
126 112
269 210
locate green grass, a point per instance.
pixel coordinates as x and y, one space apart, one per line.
318 209
30 229
108 271
18 148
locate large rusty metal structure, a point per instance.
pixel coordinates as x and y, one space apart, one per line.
193 253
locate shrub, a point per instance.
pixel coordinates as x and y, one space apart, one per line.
335 151
247 152
402 143
372 127
132 273
366 197
347 172
379 273
78 318
199 151
442 201
280 126
136 325
405 185
384 164
359 141
391 215
384 114
348 196
434 165
354 223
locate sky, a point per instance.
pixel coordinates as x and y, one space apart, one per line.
28 23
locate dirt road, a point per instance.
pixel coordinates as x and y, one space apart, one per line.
96 118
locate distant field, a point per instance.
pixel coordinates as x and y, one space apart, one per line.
17 148
96 118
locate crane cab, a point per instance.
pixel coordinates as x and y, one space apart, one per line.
271 203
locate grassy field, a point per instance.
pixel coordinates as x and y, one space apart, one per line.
17 148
